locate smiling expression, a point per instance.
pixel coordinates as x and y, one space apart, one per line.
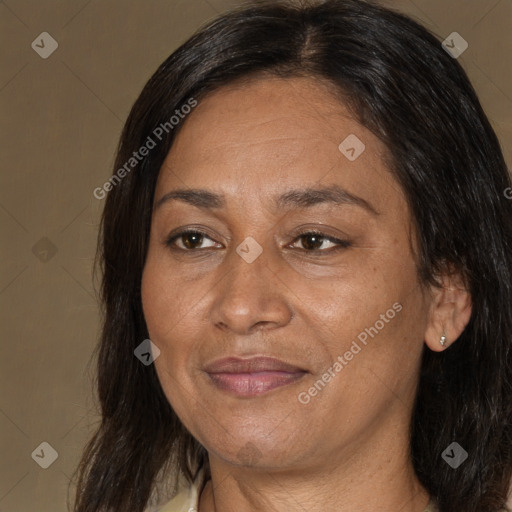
270 251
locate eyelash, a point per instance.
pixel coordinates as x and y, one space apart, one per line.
341 244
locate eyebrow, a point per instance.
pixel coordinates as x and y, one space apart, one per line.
296 198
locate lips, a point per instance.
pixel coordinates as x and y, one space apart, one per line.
254 376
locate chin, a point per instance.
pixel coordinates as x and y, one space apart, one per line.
255 450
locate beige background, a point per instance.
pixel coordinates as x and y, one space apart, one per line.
61 119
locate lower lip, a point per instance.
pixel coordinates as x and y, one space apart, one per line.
252 384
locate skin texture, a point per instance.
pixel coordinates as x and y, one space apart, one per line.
347 448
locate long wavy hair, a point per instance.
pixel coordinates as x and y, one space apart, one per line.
402 85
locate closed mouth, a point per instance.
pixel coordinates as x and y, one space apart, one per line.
254 376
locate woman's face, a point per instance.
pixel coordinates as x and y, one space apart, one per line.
281 348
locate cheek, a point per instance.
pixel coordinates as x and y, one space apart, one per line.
169 314
379 306
171 363
164 302
159 313
154 302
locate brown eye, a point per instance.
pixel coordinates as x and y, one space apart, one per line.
312 241
189 241
192 240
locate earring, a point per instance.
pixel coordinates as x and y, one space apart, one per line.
443 339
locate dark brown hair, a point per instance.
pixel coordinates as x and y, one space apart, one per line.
402 85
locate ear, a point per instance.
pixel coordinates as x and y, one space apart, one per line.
450 311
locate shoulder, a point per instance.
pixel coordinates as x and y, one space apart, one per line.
188 501
185 501
432 507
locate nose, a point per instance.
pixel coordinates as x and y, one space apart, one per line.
250 297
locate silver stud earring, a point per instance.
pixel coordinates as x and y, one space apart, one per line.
443 339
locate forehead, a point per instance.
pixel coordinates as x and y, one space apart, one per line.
271 133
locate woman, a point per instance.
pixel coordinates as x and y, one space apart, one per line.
307 219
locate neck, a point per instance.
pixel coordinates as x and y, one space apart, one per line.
366 476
